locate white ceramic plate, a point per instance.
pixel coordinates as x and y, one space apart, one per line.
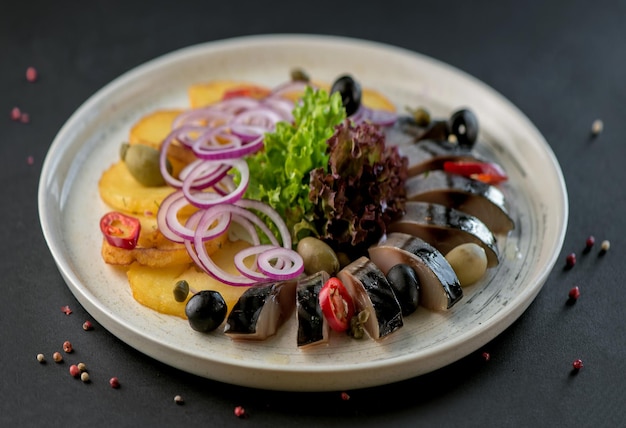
88 143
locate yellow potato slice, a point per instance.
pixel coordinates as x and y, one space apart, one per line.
153 287
376 100
204 94
152 128
119 190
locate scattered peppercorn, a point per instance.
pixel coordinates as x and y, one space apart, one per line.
74 370
577 364
16 113
345 396
570 260
591 240
66 310
67 346
41 358
597 127
114 382
240 412
31 74
178 399
87 326
604 247
30 160
486 356
574 293
82 367
24 118
84 376
57 357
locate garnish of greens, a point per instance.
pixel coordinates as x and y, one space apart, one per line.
279 174
328 177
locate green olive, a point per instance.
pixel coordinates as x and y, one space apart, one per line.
143 163
469 262
317 256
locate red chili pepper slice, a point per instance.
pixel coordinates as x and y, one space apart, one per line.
251 91
120 230
487 172
336 304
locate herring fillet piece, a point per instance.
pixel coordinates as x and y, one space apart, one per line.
429 155
313 329
371 292
440 287
482 200
445 228
260 310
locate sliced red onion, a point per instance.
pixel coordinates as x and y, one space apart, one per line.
208 199
375 116
244 269
287 270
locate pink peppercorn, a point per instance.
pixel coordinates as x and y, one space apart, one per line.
570 260
114 382
486 356
16 113
74 370
25 118
577 364
240 412
345 396
590 241
31 74
574 293
87 326
67 346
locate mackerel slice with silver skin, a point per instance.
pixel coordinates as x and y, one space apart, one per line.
260 310
429 155
445 228
474 197
439 286
371 292
313 328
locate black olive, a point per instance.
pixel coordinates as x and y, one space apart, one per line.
350 92
206 310
406 287
464 125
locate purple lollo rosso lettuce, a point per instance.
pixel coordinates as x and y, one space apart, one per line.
362 189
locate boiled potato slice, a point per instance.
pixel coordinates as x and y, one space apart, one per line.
376 100
119 189
154 287
204 94
152 128
153 249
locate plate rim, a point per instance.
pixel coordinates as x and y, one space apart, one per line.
493 327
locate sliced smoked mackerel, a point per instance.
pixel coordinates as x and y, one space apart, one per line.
439 286
445 228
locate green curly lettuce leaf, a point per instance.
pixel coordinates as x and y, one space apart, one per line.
279 174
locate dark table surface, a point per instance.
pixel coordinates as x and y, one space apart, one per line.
562 64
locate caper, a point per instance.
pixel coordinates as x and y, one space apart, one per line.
299 75
181 290
469 262
317 256
421 116
464 126
143 163
350 92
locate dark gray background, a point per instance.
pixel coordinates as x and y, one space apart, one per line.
562 63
